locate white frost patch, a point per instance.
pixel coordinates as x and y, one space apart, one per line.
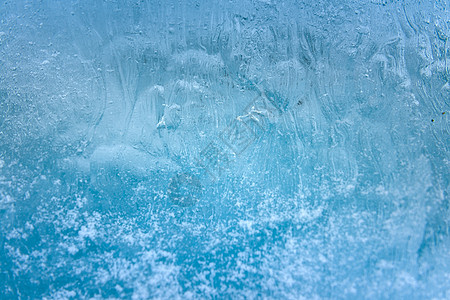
140 291
158 88
128 238
405 279
246 224
62 294
307 215
2 163
72 249
380 190
87 232
350 187
15 234
6 201
81 202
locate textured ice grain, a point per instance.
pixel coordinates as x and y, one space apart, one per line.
228 150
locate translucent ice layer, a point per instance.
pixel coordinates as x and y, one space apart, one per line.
228 150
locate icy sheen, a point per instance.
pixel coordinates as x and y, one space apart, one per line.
224 149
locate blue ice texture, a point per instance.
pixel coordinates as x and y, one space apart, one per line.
251 149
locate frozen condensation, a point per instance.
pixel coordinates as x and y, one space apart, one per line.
224 149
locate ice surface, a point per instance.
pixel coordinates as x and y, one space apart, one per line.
228 150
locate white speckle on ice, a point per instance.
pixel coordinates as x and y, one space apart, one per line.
159 88
29 226
306 215
140 291
405 279
118 288
7 199
14 234
129 239
89 232
322 258
62 294
72 249
380 190
81 202
246 224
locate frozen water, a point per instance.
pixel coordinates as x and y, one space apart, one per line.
241 149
